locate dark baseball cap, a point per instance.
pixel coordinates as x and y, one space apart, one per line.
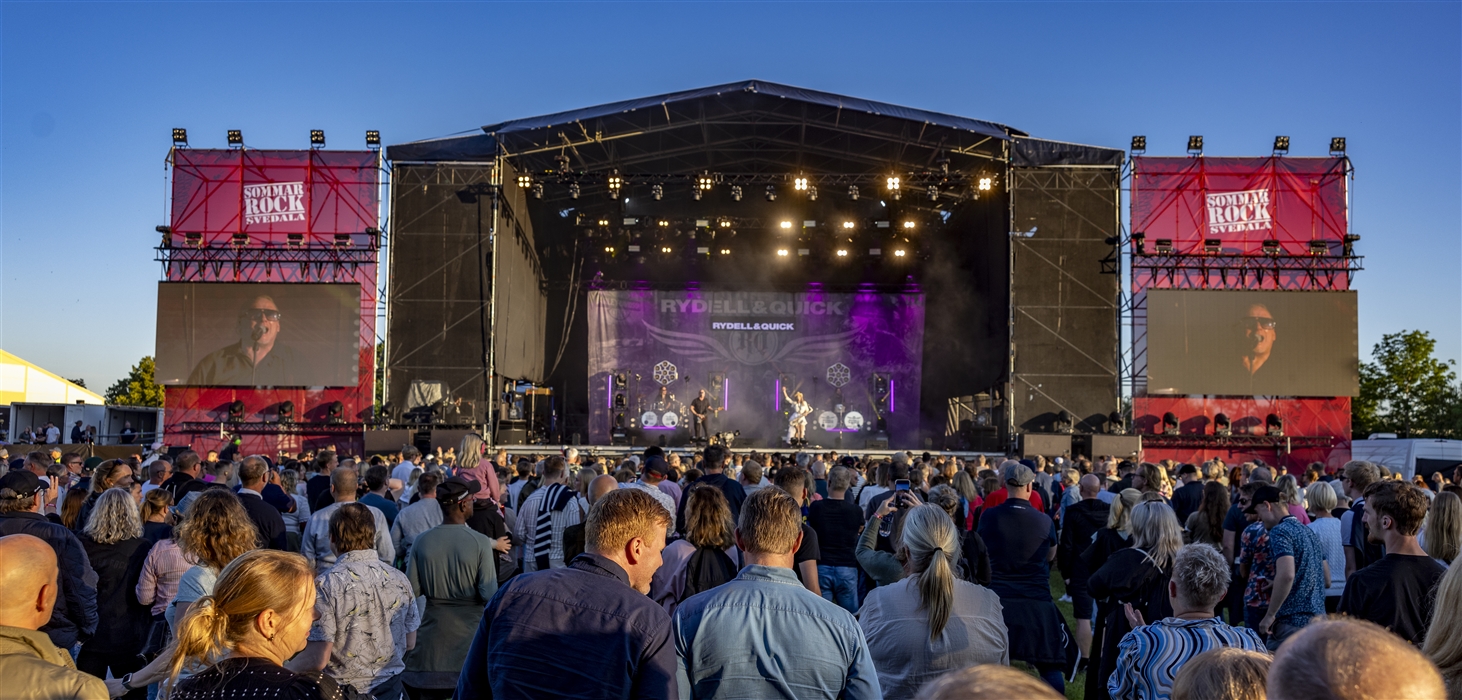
1264 494
24 483
456 489
658 466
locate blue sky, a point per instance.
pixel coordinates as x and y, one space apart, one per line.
90 92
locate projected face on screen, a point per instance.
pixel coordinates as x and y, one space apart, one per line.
258 358
259 327
1258 329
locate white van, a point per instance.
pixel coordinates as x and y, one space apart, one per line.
1423 456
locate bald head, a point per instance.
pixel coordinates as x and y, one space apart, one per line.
601 485
1351 660
29 579
1091 486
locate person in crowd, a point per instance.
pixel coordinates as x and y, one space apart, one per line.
474 464
654 473
257 618
317 487
879 540
594 489
410 462
878 483
1204 524
998 496
973 564
753 477
1443 643
187 468
1351 660
1151 655
691 564
1256 567
987 682
157 473
1297 592
930 621
417 518
714 463
544 516
268 522
1079 527
1397 591
113 473
377 494
315 543
158 583
34 668
1189 494
1022 543
157 516
365 613
747 638
1134 577
296 519
1357 476
1321 500
74 617
1442 534
1225 673
1294 498
455 568
116 549
516 650
793 480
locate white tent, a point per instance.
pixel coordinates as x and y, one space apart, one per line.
23 382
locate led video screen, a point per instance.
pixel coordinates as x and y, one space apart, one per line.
1260 343
220 334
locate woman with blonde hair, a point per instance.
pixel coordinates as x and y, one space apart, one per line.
472 462
1289 491
108 474
1135 577
709 529
116 549
1443 644
1441 537
258 616
1321 500
930 621
157 516
1226 673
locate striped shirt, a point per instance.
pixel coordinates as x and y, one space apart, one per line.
1149 657
528 529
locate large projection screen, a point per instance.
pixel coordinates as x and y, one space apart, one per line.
222 334
1259 343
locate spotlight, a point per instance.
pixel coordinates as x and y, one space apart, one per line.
800 184
538 190
786 225
985 183
725 251
663 223
1065 422
1169 423
658 192
1281 145
771 193
736 192
899 253
697 193
1319 247
1274 425
574 191
235 137
847 224
286 412
893 184
1348 246
604 222
1139 144
1164 246
842 252
1337 146
195 239
317 138
239 240
1139 243
342 240
236 411
335 413
180 138
615 182
812 193
725 223
1212 246
1195 145
704 181
908 224
782 252
1115 425
525 180
1221 425
933 193
1271 246
373 139
665 249
853 192
609 249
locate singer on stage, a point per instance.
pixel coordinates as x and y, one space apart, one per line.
258 359
797 424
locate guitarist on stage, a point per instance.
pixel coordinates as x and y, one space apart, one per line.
700 410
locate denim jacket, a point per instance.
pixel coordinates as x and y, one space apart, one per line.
762 635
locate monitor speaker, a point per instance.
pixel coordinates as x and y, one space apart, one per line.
1033 444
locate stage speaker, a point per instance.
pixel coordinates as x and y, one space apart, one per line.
877 441
386 441
1120 446
1032 444
512 436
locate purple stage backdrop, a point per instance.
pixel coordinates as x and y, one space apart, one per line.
856 357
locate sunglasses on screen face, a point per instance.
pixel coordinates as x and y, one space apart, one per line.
1260 322
260 314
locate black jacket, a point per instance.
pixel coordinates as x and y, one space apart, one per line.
735 496
1079 528
266 520
180 485
122 622
1186 499
1129 576
74 617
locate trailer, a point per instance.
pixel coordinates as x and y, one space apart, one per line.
1411 456
109 422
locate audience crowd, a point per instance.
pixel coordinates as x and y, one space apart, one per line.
466 573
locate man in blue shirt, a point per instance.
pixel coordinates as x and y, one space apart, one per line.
762 634
1301 574
599 598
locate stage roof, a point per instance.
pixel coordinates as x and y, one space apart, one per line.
748 126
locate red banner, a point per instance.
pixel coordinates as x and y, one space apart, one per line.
1240 202
271 194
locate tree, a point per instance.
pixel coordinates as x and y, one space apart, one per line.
138 387
78 382
1406 390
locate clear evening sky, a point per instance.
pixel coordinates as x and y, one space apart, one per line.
91 91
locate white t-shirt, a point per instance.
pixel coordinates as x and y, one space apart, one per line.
866 495
53 435
403 471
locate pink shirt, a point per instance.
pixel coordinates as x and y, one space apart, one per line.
161 572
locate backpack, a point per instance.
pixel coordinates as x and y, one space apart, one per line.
707 568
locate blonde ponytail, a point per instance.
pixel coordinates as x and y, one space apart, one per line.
202 635
933 546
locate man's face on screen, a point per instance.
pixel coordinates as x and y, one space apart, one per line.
1259 331
259 323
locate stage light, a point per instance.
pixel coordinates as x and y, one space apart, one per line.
853 192
604 222
1139 243
1319 247
342 240
1271 246
1195 145
800 184
933 193
239 240
525 180
609 249
373 139
665 249
235 137
236 411
725 223
736 192
899 253
538 190
574 191
286 412
704 181
180 138
1164 246
1221 426
335 413
782 252
1169 423
1348 246
985 183
893 184
1065 422
771 193
1212 246
614 182
842 252
317 138
1115 425
725 251
1139 144
663 223
194 239
1337 146
1281 145
908 224
696 194
812 194
658 192
786 225
847 224
1274 425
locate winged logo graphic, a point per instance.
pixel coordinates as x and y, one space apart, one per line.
692 346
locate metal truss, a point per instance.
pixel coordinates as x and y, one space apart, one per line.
1189 271
245 264
1285 442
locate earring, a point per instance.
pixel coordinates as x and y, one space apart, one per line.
271 637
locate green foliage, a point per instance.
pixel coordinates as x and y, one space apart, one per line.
1407 391
138 388
78 382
